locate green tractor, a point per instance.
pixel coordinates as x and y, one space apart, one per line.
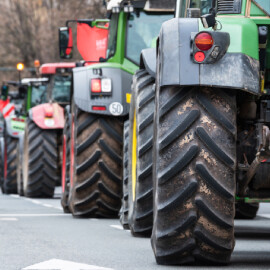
99 106
14 117
211 127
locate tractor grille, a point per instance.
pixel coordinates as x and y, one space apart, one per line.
229 6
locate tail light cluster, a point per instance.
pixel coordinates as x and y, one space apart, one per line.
101 86
209 47
203 43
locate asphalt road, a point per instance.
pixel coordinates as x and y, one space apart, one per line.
36 231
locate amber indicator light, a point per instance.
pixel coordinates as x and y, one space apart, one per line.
204 41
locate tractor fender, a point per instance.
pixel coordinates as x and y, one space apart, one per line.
148 61
114 103
48 116
9 130
177 67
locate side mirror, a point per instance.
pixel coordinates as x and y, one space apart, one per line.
209 20
65 42
4 92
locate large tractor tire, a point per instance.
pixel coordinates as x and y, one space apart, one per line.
246 210
140 154
194 175
66 164
19 171
96 184
124 208
40 161
10 179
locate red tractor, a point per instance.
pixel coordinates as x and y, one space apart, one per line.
42 140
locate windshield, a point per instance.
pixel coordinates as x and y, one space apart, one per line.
61 88
112 35
142 32
203 5
39 95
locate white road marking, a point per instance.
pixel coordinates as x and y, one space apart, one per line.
119 227
35 201
33 215
264 215
8 219
14 195
48 205
55 264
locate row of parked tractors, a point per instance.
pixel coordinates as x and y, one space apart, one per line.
165 123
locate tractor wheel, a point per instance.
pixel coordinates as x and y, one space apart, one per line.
19 171
66 168
140 154
40 161
246 210
10 180
2 164
124 209
96 184
194 175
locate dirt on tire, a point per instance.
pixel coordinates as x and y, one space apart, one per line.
96 188
194 175
142 107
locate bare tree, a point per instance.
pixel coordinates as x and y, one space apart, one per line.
29 28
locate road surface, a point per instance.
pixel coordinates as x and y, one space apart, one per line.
35 234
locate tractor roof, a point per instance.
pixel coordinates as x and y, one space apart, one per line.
50 68
148 5
27 81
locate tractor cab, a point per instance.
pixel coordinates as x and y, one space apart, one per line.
36 92
59 86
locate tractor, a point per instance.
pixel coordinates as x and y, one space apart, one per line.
211 139
99 105
12 123
42 139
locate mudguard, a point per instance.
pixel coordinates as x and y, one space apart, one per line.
233 70
121 85
48 116
148 61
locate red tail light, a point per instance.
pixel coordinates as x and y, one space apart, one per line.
99 108
96 85
199 57
204 41
49 112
